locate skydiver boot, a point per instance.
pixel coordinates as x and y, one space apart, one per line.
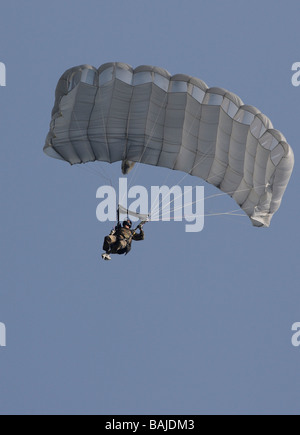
106 256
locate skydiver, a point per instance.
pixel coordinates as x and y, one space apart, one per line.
120 239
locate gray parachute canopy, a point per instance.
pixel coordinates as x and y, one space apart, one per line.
145 115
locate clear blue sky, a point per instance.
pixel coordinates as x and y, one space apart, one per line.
187 323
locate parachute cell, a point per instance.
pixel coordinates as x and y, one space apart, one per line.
145 115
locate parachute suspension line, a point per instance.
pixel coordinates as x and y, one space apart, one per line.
173 200
97 173
156 211
217 195
234 191
157 208
235 212
208 197
94 172
118 214
227 213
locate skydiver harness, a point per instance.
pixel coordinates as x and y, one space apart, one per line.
128 240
